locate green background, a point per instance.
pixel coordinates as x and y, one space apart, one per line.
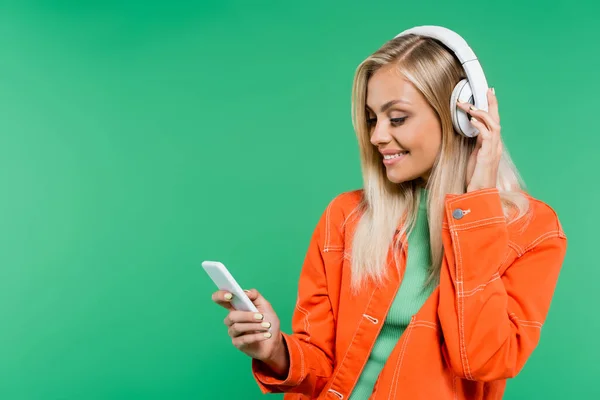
140 138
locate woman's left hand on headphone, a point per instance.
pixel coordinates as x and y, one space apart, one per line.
483 164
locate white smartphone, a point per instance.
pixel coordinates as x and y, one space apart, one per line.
225 281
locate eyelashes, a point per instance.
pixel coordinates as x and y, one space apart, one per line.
398 121
394 121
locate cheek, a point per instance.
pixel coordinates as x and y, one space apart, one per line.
434 145
427 142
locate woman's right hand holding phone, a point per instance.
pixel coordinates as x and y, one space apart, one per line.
256 334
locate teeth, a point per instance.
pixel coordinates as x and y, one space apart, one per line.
394 155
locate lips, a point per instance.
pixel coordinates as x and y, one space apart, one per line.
392 159
394 155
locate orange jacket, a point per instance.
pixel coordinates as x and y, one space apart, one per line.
476 329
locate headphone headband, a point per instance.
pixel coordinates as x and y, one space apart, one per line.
465 55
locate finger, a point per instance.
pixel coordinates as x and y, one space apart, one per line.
485 118
245 340
223 298
464 105
222 295
236 316
240 328
480 114
479 142
489 136
493 105
252 294
259 301
479 138
484 133
490 144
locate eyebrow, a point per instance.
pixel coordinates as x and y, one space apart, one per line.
390 103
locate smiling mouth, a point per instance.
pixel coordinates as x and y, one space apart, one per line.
392 156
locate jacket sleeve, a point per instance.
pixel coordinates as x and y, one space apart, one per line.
311 345
491 313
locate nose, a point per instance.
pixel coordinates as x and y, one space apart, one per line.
380 134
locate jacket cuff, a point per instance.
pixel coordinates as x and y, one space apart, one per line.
473 210
479 236
268 381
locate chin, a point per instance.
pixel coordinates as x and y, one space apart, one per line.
399 178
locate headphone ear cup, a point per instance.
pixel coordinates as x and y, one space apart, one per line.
462 91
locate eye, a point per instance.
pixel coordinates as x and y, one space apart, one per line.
371 121
398 121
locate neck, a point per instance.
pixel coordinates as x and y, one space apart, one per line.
420 183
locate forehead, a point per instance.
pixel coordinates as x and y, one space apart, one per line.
387 84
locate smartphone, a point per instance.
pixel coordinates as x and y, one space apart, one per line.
225 281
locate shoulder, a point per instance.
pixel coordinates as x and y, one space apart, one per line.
539 223
345 202
341 207
340 211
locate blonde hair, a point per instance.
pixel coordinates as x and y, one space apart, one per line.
434 71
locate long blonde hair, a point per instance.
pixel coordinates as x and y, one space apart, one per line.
434 71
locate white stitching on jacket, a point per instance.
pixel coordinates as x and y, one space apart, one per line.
400 359
372 319
306 320
461 306
338 394
471 292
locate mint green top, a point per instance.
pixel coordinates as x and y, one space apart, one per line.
409 299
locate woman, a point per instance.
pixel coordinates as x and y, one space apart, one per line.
434 280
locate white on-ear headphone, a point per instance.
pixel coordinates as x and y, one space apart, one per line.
473 89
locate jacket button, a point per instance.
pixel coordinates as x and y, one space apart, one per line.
458 213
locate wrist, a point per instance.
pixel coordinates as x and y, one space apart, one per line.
279 361
474 188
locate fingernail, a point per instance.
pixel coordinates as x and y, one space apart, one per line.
266 324
247 291
228 296
474 119
473 108
268 334
493 91
258 316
